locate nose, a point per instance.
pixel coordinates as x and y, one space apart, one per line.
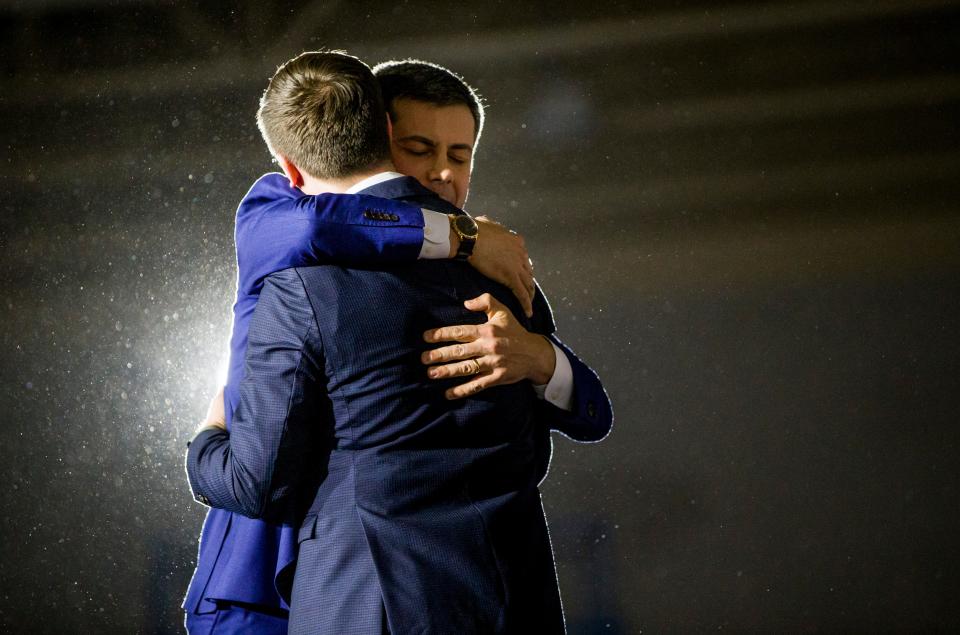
440 171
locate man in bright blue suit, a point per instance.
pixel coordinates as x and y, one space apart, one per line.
234 562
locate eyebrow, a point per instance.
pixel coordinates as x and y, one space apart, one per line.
432 143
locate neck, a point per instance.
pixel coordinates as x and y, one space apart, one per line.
313 185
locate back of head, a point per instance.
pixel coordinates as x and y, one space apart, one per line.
430 83
324 112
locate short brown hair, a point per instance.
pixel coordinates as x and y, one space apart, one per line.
429 83
323 111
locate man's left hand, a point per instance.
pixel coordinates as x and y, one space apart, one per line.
500 351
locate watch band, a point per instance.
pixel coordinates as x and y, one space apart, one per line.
467 240
465 250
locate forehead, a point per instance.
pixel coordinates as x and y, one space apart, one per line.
447 124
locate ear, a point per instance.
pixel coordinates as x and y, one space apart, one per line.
291 170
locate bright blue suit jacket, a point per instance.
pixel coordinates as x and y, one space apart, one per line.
246 560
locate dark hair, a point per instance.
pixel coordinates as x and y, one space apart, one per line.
323 111
430 83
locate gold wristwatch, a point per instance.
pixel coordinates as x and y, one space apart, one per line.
466 229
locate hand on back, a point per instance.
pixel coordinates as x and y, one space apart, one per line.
500 351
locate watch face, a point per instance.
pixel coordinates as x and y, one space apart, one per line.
466 226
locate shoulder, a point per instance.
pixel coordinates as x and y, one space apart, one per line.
431 201
408 190
270 179
272 184
287 280
283 308
269 188
283 289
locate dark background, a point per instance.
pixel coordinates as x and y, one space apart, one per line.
745 215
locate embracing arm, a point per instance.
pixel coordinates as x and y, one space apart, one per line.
504 351
583 411
278 227
254 468
589 416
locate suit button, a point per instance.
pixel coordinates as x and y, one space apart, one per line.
394 217
591 410
367 213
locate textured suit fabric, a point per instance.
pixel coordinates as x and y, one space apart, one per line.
239 558
444 492
591 417
360 606
232 618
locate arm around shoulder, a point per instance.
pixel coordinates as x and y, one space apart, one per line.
279 227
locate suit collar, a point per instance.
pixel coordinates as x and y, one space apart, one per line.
408 189
370 181
399 187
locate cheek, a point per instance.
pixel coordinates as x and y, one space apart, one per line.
408 165
461 183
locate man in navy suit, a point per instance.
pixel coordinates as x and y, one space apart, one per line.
216 461
245 565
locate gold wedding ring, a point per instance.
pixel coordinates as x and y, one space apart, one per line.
476 366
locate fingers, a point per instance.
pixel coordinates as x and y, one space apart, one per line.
532 290
495 310
459 333
216 411
524 294
452 353
479 383
467 368
487 303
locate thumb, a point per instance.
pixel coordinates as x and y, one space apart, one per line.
486 303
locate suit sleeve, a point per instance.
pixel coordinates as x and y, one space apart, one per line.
279 227
254 469
591 417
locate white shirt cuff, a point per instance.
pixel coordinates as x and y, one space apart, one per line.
559 390
436 235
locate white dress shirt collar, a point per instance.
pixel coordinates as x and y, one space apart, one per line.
370 181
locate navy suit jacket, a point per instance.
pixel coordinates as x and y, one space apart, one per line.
336 401
241 554
241 559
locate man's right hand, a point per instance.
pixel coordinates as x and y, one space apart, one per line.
216 413
500 351
501 255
